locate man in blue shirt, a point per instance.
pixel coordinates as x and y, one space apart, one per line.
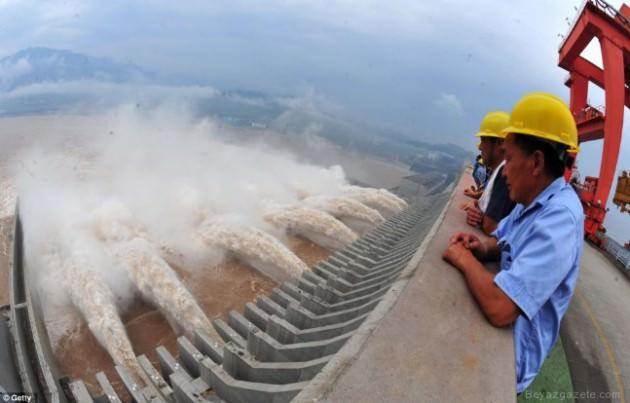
479 172
539 244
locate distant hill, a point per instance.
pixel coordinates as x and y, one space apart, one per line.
45 65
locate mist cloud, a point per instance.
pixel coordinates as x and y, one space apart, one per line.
449 103
170 172
9 71
118 91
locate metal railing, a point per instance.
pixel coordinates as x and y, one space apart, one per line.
619 253
603 6
613 12
590 112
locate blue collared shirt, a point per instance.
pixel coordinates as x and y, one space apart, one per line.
479 174
540 248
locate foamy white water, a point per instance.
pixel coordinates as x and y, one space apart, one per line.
345 207
317 226
395 198
8 196
160 286
382 200
257 248
96 302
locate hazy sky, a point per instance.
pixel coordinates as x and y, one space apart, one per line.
430 68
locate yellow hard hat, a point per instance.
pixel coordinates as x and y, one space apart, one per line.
493 124
545 116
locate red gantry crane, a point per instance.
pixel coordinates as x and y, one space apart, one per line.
598 19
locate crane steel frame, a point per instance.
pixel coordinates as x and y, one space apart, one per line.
597 19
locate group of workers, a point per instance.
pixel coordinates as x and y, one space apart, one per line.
534 220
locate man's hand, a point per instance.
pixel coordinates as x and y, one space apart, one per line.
496 305
471 192
474 217
458 255
471 242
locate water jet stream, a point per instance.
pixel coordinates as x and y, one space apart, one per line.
317 226
257 248
382 200
96 302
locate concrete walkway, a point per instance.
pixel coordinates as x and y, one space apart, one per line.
596 331
432 342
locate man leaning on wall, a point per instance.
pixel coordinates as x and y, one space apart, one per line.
539 244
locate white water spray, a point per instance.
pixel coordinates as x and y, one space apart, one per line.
318 226
154 278
257 248
382 200
90 294
161 287
345 207
7 196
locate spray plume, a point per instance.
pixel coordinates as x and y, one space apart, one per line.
382 200
169 171
90 294
317 226
257 248
161 287
342 207
154 278
7 197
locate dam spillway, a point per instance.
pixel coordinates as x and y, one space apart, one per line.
384 318
270 350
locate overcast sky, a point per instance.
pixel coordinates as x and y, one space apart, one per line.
430 68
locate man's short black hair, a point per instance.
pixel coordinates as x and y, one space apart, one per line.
556 158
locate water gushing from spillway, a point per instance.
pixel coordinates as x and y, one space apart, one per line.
345 207
397 199
161 287
259 249
7 195
387 203
173 172
154 278
90 294
317 226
